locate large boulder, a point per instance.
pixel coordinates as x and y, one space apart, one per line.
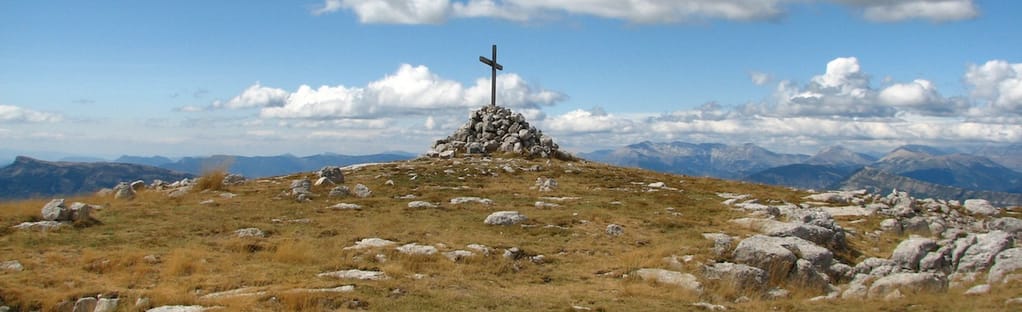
738 276
980 207
56 211
124 191
332 174
505 218
908 283
1005 263
766 253
980 255
910 251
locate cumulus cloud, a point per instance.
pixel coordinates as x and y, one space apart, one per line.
842 90
255 95
588 121
647 11
411 90
934 10
999 83
10 113
759 78
921 96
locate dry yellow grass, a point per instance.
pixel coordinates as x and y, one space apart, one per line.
175 250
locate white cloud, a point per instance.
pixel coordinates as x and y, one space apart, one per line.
587 121
11 113
934 10
999 83
922 96
411 90
641 11
759 78
254 96
392 11
842 90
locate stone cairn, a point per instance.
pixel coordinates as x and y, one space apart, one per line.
497 129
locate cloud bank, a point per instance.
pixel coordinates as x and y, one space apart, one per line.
643 12
15 114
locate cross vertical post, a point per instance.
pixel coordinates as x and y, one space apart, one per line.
494 67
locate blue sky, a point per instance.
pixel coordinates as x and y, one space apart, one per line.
182 78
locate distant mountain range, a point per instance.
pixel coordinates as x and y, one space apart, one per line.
706 159
28 178
261 166
925 171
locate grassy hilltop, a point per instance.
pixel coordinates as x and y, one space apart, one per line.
179 250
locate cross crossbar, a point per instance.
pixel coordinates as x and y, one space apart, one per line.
494 67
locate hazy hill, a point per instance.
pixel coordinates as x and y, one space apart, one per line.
956 169
882 182
27 177
706 159
803 176
262 166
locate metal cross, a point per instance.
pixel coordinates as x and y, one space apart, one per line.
494 67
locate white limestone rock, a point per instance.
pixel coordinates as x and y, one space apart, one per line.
505 218
371 242
910 251
683 280
980 207
356 274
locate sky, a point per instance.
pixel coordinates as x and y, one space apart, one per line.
192 78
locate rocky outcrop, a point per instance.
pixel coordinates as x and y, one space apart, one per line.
497 129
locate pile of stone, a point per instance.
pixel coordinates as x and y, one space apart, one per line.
497 129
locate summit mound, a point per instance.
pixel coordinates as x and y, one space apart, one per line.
497 129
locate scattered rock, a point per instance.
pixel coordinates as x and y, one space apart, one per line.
416 249
546 184
980 289
250 232
332 174
684 280
371 242
124 191
180 308
480 249
12 266
464 200
709 306
980 207
355 274
362 191
340 191
137 186
980 255
422 204
545 205
722 243
1006 262
346 206
56 211
766 253
911 282
505 218
40 226
910 251
739 276
85 304
615 230
457 255
891 225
